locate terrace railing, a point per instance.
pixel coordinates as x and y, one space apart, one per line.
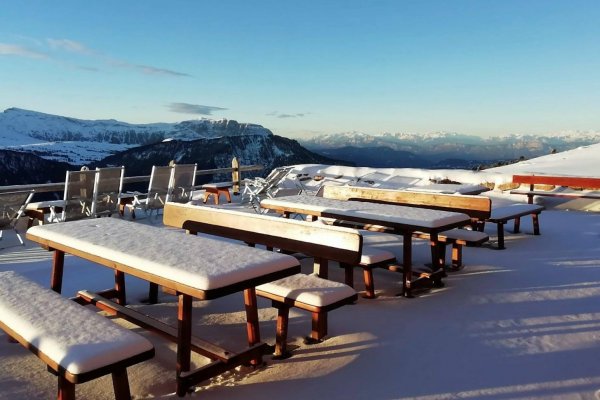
236 172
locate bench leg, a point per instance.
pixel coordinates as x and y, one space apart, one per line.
184 338
501 235
227 195
457 262
252 325
319 326
283 317
517 227
121 385
536 223
369 283
66 389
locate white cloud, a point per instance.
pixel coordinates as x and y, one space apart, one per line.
20 51
186 108
69 45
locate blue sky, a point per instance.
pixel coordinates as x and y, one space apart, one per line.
303 68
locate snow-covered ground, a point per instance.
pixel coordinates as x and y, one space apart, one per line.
520 323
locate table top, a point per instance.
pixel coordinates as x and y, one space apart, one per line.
195 262
401 217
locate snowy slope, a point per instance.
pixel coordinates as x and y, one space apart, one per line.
80 141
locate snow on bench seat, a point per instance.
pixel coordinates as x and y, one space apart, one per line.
501 215
308 289
307 292
74 341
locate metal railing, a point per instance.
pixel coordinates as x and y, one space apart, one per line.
60 186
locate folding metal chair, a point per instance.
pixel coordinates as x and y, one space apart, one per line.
109 183
182 184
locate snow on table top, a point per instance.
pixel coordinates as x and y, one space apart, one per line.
199 262
76 338
384 213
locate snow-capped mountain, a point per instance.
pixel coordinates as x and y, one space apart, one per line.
44 146
78 141
448 145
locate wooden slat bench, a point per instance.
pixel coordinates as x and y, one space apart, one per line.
76 344
501 215
325 243
307 292
458 238
577 183
215 190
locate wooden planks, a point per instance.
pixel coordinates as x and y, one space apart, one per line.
478 207
330 243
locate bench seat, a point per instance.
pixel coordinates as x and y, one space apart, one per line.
458 238
76 343
501 215
307 292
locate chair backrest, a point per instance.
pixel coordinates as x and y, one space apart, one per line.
79 195
476 207
182 184
318 240
159 187
12 205
109 183
277 175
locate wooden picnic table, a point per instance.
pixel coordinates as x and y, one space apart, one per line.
401 219
192 267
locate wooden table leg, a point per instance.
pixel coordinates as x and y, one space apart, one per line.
58 263
252 325
321 267
407 263
120 287
184 339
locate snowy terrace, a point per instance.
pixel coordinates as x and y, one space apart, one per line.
520 323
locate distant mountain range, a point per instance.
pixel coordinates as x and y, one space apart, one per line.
441 149
34 146
37 147
79 141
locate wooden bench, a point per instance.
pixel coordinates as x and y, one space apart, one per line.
501 215
76 344
577 183
215 190
325 243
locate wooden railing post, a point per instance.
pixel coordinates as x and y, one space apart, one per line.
235 175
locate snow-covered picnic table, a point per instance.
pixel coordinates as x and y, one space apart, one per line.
191 266
403 220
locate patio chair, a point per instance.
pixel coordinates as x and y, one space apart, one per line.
257 188
109 182
158 191
77 200
182 184
12 206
